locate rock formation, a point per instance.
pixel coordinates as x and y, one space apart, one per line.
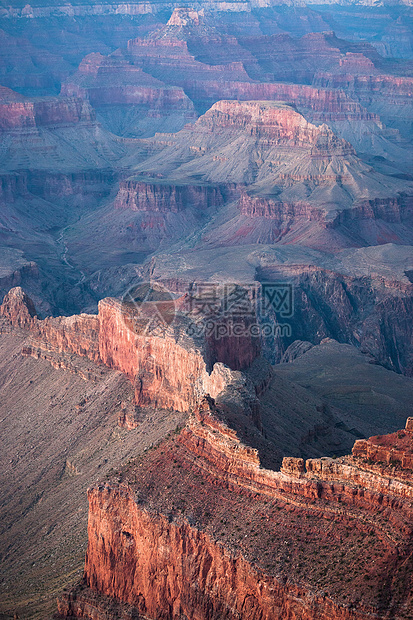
168 368
163 198
289 173
239 568
24 113
394 450
247 144
121 91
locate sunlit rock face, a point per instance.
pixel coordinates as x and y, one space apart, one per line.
169 371
133 534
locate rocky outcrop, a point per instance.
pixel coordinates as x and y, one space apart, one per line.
168 368
386 95
332 303
75 334
143 546
164 371
18 309
218 447
164 198
395 450
295 350
113 81
192 576
275 123
49 112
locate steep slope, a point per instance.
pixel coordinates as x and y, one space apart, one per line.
59 434
358 296
129 102
266 566
89 409
295 173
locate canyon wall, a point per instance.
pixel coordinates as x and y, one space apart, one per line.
285 215
113 81
386 95
168 370
28 113
164 198
167 558
335 480
331 303
171 570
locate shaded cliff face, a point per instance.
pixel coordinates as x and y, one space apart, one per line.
129 102
26 113
185 551
326 301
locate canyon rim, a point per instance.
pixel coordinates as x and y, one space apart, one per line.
206 310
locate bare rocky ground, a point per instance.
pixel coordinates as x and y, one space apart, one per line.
58 435
367 397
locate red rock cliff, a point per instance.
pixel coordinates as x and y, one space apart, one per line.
27 114
168 371
171 570
163 198
200 530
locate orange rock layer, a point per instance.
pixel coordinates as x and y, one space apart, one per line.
395 449
168 370
199 530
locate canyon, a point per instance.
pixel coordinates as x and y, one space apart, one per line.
209 450
206 272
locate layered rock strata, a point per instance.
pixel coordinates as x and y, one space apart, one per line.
395 450
163 198
169 370
112 81
386 95
324 303
180 551
25 113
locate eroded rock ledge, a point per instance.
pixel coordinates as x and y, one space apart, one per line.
171 370
199 529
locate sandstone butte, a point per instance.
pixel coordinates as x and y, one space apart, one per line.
196 528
